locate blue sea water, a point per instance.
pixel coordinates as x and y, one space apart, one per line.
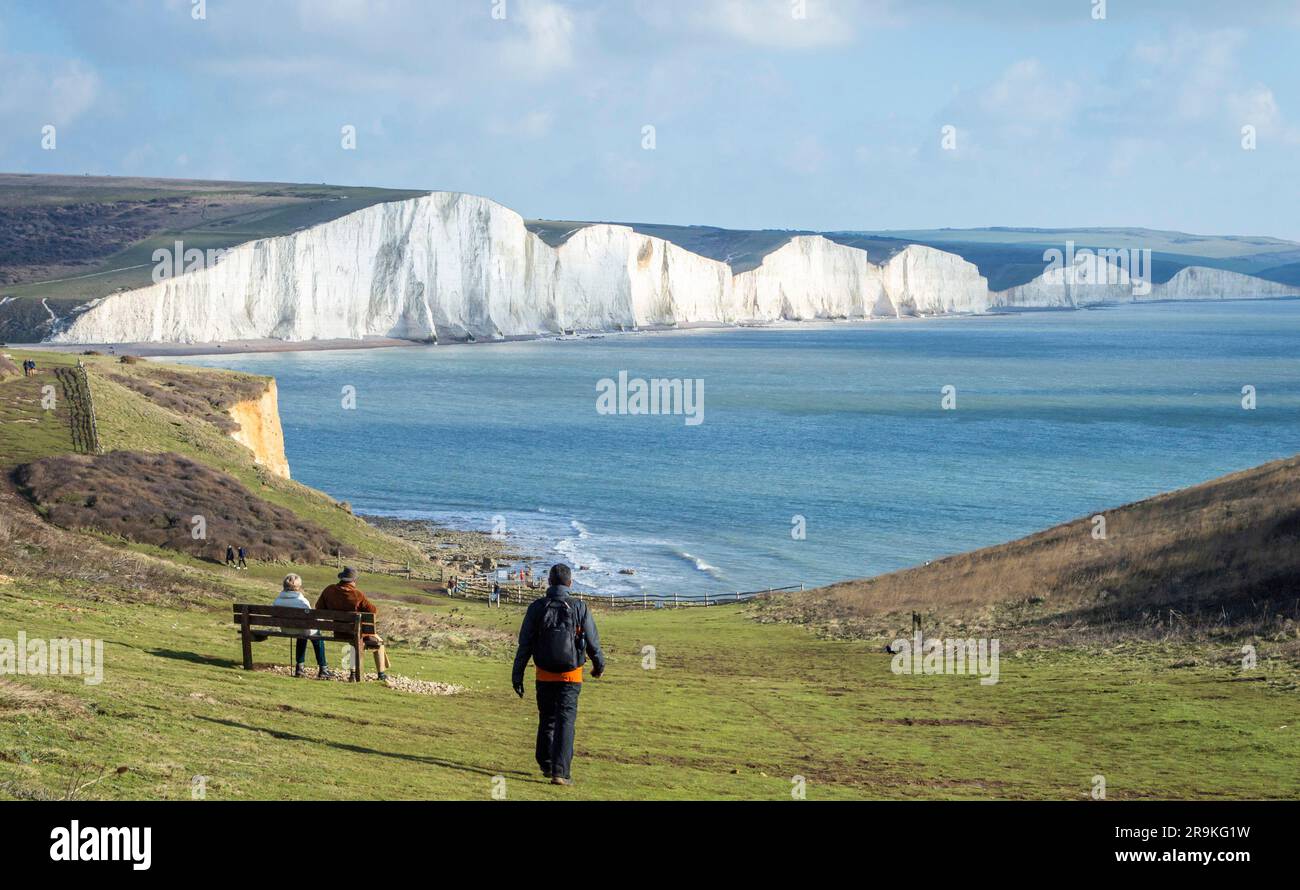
1058 415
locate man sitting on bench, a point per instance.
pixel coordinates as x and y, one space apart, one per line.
344 597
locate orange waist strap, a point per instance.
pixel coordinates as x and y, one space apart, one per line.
573 676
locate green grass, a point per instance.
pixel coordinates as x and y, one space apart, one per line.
128 421
733 709
27 430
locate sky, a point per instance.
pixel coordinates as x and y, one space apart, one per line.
800 114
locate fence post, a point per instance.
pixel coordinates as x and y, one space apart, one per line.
706 599
674 599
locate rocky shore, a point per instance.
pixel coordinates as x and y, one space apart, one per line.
459 551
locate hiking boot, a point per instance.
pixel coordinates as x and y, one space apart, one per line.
383 676
324 674
560 780
299 671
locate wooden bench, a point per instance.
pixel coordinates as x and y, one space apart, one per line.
258 623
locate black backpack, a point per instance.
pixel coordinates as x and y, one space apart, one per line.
559 646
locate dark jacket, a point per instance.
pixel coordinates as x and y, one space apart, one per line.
528 633
344 597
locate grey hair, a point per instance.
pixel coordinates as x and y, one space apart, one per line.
292 582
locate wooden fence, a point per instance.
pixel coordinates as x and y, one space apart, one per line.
478 586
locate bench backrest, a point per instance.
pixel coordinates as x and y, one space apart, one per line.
289 618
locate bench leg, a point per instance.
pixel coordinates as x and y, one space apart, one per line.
357 651
248 644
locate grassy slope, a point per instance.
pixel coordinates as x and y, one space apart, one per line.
734 708
28 432
1211 562
128 421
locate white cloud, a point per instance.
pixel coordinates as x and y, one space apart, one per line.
779 24
1026 104
1027 97
56 91
546 44
531 125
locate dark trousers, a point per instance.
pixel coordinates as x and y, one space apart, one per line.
557 714
300 650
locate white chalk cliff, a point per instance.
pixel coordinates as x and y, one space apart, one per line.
454 266
1066 286
450 265
1201 283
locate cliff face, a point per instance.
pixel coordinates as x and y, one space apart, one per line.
455 266
449 265
1200 283
812 277
260 431
1069 287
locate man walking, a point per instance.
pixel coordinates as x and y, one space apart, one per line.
558 633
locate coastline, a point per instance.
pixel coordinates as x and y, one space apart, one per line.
459 551
261 346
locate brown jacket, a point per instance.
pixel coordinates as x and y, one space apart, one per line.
346 598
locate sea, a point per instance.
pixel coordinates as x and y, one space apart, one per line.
810 452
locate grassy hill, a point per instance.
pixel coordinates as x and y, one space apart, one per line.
1219 560
736 703
129 421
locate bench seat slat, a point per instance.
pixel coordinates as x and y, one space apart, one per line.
255 612
305 623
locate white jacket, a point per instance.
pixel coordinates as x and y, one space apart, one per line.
294 599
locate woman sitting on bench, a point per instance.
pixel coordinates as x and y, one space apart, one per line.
292 597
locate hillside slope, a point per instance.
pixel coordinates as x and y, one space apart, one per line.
1218 558
147 408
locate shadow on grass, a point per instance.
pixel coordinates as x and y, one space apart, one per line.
361 749
196 658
